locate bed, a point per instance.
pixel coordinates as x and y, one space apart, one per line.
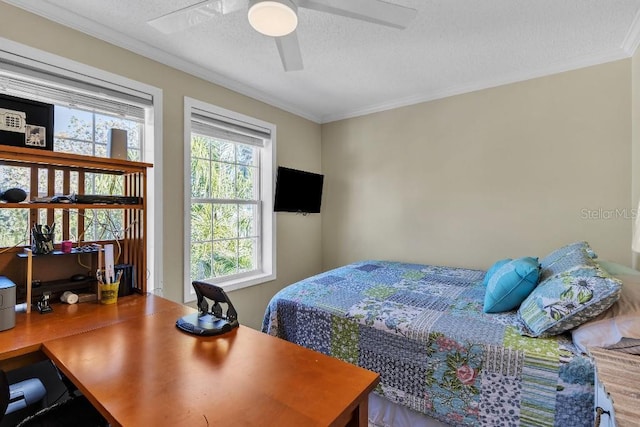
439 355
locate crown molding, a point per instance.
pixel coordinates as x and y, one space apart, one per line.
97 30
574 64
101 32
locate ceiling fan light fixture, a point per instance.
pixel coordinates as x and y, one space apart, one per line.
275 18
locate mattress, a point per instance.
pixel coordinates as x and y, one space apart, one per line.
422 328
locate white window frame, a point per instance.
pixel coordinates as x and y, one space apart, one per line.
267 256
152 146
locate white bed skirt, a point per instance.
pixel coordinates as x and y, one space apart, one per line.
384 413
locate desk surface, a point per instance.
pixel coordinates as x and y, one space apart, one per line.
141 370
22 343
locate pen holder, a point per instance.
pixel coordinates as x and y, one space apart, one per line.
42 240
109 292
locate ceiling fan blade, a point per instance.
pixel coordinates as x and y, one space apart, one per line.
189 16
229 6
289 50
181 19
375 11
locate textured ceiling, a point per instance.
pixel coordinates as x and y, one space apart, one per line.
353 67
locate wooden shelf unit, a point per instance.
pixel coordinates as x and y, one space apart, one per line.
134 241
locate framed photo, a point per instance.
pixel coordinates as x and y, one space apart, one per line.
35 136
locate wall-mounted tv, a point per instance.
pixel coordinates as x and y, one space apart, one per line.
298 191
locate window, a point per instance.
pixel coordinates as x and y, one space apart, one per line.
228 197
82 123
87 132
87 103
80 132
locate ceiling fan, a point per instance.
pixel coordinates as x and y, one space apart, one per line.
279 18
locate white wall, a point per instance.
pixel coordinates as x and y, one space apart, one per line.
507 171
298 146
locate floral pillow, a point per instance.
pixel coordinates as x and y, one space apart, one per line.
621 322
567 300
576 257
563 251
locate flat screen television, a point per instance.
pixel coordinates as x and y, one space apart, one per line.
298 191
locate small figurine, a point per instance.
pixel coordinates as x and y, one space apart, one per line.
43 303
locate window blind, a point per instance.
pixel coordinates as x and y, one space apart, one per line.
61 88
228 129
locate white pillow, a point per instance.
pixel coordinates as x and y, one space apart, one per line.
622 320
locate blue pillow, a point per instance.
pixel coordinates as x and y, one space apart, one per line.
492 270
511 284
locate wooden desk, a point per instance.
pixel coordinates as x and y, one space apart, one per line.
21 345
139 369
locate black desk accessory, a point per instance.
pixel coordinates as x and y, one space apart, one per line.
13 195
91 199
43 303
209 320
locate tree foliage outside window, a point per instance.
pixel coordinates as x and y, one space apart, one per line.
225 231
87 133
79 132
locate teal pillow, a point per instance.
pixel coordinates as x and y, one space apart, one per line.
492 270
511 284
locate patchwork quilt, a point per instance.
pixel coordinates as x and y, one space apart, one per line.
422 328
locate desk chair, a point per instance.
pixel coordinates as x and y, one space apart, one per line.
20 395
73 412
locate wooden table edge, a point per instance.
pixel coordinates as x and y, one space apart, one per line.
177 308
357 414
96 404
31 353
28 355
354 414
